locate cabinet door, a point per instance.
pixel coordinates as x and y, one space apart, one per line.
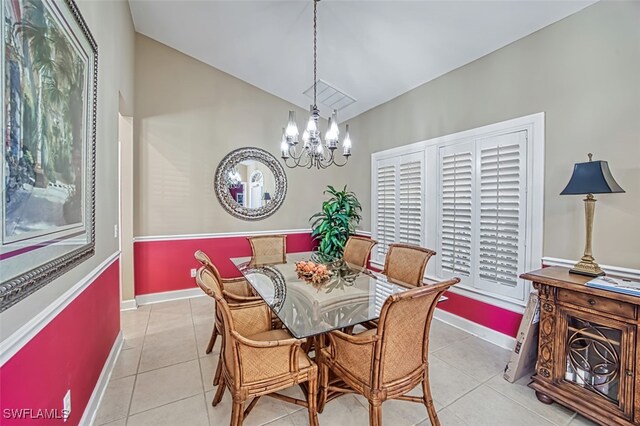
595 359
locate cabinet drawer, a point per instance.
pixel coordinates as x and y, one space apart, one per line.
598 303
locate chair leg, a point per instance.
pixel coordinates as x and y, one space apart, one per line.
216 377
323 379
237 413
219 394
428 401
375 414
212 341
311 400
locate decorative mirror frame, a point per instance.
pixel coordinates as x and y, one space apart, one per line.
224 196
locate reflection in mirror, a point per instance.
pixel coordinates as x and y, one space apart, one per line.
250 183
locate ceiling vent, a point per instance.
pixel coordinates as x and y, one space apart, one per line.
330 96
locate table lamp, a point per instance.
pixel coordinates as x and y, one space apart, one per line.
267 197
592 177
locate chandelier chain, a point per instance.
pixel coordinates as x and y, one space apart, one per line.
315 49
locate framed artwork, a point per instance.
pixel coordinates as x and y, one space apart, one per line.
49 65
240 198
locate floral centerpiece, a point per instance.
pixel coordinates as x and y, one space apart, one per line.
314 272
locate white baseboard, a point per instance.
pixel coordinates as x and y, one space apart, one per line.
127 305
90 411
485 333
633 274
147 299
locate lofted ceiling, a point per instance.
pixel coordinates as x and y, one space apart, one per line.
372 51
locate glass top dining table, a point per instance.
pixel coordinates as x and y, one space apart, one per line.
350 296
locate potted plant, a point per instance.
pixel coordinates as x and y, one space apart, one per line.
338 219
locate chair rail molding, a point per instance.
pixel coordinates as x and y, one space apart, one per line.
218 235
16 341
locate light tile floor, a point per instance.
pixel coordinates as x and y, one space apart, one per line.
163 377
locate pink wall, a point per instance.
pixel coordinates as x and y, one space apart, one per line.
165 266
69 353
493 317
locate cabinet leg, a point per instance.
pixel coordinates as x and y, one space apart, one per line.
543 398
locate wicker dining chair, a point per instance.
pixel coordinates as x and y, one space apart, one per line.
406 263
258 361
387 362
235 290
357 250
271 247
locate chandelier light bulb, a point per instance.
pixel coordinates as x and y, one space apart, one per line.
346 143
305 138
333 125
284 146
292 128
311 125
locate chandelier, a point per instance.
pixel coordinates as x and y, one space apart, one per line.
314 153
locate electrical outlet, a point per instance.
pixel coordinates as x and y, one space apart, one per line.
115 231
193 273
66 404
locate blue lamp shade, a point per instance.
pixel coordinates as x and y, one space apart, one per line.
266 196
591 177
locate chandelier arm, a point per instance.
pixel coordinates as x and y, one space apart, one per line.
343 164
300 163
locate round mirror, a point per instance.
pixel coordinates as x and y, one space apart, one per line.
250 183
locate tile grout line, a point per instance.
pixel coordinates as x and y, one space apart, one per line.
527 408
135 379
144 372
195 336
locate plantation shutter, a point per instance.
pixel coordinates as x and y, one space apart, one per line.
385 227
399 202
410 215
501 198
456 181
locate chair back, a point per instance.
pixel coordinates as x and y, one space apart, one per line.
269 248
405 320
357 250
210 285
206 262
406 263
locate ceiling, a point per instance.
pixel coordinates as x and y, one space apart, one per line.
371 50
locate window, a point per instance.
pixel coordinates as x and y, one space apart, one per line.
475 198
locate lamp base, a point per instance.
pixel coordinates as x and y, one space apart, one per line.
588 268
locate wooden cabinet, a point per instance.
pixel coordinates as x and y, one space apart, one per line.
588 348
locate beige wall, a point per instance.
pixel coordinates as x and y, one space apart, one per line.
584 73
125 135
188 117
111 25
